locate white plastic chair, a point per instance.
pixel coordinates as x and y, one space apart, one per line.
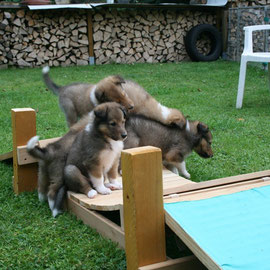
249 55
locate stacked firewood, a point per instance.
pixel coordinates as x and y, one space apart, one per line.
246 3
143 36
32 38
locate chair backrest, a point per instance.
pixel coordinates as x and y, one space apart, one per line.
248 45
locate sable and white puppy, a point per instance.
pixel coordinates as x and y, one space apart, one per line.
52 160
176 144
78 99
94 155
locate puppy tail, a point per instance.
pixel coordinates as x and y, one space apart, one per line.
49 83
59 201
34 150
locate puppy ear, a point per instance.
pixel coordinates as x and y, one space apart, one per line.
101 112
123 109
202 128
117 79
100 95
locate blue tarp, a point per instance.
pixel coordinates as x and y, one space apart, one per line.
234 229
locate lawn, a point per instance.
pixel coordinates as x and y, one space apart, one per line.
31 239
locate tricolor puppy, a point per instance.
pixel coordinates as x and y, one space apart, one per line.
94 155
78 99
52 160
176 144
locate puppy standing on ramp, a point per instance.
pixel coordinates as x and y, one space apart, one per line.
175 144
95 152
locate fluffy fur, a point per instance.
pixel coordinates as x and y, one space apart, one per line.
94 155
78 99
52 160
176 144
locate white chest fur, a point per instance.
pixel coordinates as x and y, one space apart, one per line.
108 156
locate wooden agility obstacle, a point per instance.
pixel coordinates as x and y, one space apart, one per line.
141 218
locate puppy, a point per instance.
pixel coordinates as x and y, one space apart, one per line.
52 160
94 155
78 99
147 106
176 144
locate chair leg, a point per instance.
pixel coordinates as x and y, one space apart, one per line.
241 84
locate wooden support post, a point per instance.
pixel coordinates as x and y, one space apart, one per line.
90 38
23 128
143 206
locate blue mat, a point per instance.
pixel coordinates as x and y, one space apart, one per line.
234 229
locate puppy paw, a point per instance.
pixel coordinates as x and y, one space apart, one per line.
51 203
91 194
114 185
42 197
175 170
186 175
176 118
56 212
103 190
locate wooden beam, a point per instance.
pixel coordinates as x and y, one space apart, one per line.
90 37
143 206
185 263
191 244
23 128
103 225
23 156
6 156
218 182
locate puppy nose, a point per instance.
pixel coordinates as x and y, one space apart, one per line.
124 135
130 107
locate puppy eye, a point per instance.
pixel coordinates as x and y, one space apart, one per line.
113 124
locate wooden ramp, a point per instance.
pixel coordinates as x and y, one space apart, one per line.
93 212
139 226
114 201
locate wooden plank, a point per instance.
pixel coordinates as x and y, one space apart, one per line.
217 182
23 128
103 225
216 191
6 156
114 201
90 33
192 245
23 156
185 263
143 206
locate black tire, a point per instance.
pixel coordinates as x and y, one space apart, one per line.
194 34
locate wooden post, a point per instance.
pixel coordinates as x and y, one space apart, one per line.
143 206
90 38
23 128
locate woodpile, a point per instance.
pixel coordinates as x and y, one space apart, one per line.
239 18
247 3
30 39
151 36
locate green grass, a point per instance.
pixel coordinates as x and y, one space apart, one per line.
31 239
